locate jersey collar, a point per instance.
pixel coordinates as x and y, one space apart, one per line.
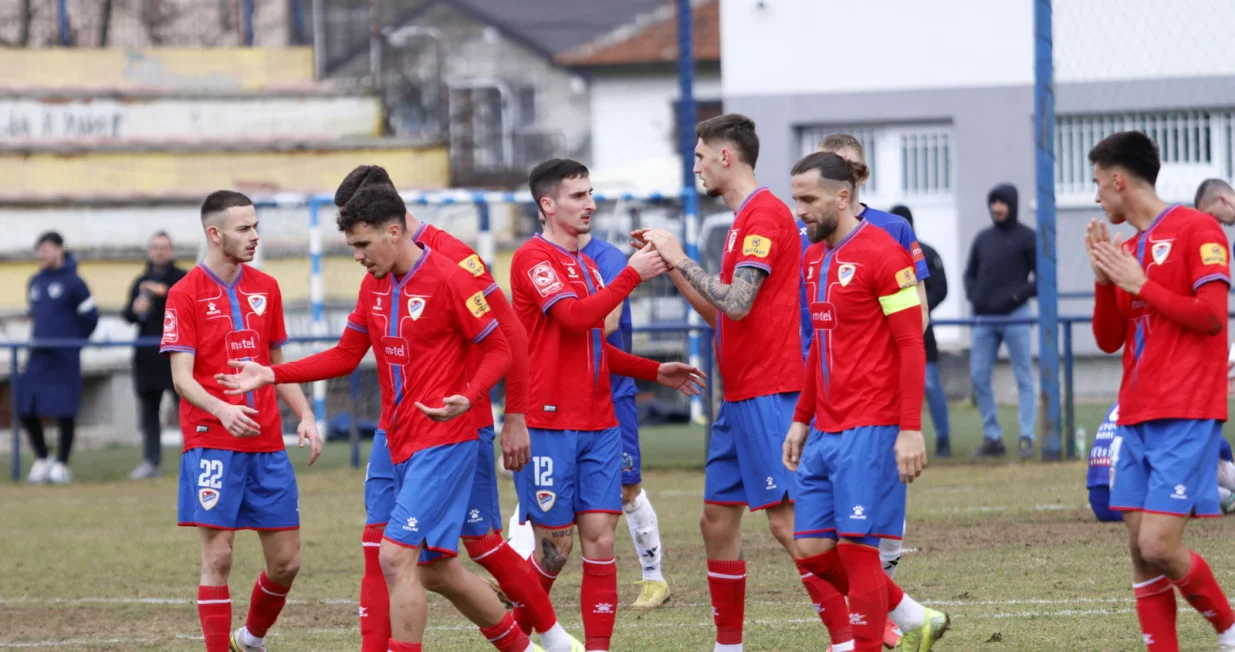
557 246
399 283
750 197
211 275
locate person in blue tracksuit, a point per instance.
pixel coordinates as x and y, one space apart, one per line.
61 307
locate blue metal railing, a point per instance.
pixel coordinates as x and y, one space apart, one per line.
59 343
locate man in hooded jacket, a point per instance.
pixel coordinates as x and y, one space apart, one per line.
61 307
999 284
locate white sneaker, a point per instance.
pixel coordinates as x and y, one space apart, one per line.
59 474
39 471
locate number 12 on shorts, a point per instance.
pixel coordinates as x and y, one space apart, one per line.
542 471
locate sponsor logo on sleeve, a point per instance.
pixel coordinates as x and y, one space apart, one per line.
756 245
473 264
478 305
171 326
906 278
1213 253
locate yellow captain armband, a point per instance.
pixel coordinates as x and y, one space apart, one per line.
906 298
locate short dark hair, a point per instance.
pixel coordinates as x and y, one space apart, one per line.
50 236
376 206
833 167
161 234
735 128
363 175
1131 150
221 200
545 177
1209 191
903 211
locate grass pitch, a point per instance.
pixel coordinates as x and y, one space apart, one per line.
1008 548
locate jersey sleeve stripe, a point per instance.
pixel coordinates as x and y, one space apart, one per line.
557 297
275 345
750 263
922 269
906 298
1210 278
182 349
485 333
357 327
491 289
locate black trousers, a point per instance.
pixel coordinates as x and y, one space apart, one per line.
152 451
34 427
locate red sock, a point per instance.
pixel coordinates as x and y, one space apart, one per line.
374 598
506 635
1155 608
828 601
895 594
214 609
868 595
398 646
727 584
1201 590
514 575
265 604
546 578
598 598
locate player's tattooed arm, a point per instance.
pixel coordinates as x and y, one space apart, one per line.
734 299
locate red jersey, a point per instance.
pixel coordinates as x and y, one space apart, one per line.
754 356
1171 371
569 371
217 322
420 327
855 361
463 256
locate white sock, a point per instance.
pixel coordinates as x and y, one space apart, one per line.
890 555
908 615
645 532
249 639
1224 495
556 639
531 647
727 648
520 536
847 646
1227 637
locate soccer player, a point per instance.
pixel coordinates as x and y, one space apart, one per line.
234 472
753 305
562 300
640 515
420 312
1162 296
1215 196
481 530
864 388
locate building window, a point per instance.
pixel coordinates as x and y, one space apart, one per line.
1194 144
926 162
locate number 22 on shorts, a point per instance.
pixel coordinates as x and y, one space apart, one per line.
209 483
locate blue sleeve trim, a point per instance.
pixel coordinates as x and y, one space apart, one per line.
357 327
275 345
491 289
485 333
556 298
923 270
750 263
1209 279
178 349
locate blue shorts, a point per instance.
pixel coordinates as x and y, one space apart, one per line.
1100 503
484 511
572 472
745 464
431 493
379 482
231 490
1166 466
849 486
628 423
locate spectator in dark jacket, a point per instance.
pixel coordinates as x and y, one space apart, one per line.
50 385
999 283
152 373
936 292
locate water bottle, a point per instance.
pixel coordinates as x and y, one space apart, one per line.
1082 450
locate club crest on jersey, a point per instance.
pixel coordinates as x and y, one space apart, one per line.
415 306
845 273
733 238
545 499
1160 251
258 303
208 498
545 279
170 334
